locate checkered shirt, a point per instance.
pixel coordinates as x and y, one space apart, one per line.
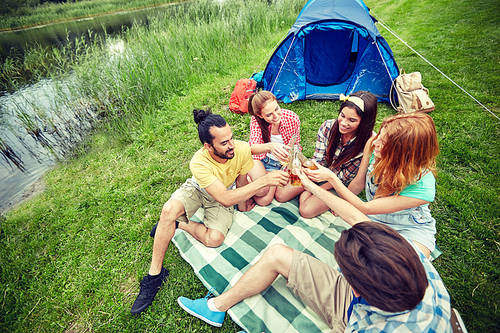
347 171
289 125
433 314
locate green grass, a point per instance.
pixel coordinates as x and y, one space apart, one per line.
461 39
72 258
56 12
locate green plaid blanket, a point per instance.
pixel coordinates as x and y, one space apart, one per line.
276 309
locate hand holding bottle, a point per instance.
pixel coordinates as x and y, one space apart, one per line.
319 174
280 152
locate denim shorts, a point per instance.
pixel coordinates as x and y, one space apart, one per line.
416 224
271 164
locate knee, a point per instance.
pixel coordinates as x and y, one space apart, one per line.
262 192
273 254
307 211
264 201
278 258
171 211
280 196
214 239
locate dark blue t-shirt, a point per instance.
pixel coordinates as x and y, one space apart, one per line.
355 300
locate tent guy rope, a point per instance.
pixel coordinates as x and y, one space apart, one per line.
427 61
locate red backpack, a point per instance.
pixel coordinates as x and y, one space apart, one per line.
244 88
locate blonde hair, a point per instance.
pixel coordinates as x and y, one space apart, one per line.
408 154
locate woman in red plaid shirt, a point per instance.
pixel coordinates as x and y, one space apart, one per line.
271 129
339 147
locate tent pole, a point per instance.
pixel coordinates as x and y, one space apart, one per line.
283 63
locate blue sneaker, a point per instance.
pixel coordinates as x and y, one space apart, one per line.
199 309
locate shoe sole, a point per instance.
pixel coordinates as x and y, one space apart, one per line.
456 322
137 311
208 321
152 233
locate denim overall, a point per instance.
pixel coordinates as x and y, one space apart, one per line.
416 223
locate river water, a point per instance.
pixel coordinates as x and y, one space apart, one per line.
29 148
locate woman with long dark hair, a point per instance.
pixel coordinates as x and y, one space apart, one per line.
339 147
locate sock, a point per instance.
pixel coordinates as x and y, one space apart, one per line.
211 306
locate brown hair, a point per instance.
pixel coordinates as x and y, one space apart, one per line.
256 103
409 152
363 132
381 266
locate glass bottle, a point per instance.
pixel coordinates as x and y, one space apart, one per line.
291 143
306 163
295 163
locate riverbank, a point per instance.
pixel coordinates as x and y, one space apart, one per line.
31 192
72 257
51 13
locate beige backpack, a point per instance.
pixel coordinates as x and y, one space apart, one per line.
411 94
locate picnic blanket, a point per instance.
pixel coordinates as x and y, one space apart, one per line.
277 309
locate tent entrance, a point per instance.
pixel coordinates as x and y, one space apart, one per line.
330 56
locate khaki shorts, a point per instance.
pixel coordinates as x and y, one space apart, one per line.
217 217
322 288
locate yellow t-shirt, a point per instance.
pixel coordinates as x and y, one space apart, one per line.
206 170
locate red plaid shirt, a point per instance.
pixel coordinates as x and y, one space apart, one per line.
289 125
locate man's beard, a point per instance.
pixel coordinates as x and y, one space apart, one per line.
229 154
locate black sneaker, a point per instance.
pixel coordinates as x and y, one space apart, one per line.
149 288
153 230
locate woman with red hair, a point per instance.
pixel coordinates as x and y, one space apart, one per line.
398 174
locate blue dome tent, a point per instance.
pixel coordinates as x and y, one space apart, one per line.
333 48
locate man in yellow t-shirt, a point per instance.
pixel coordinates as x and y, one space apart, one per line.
219 182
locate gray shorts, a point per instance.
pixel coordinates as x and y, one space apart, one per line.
322 288
192 197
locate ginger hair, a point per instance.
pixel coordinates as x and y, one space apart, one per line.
409 152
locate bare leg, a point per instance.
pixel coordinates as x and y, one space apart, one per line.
310 206
287 193
165 231
267 199
266 195
276 260
208 237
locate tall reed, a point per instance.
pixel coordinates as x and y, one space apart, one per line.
50 12
131 80
193 43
